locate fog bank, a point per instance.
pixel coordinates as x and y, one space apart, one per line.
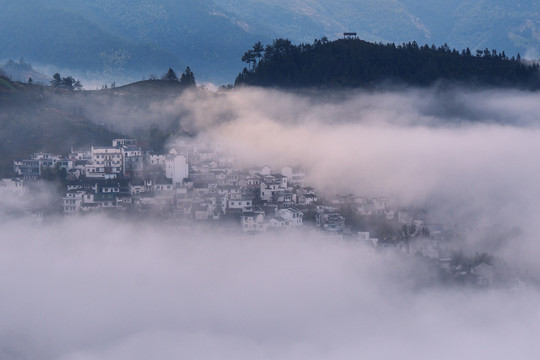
100 288
469 156
92 288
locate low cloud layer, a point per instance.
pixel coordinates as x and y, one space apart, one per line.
96 288
92 288
469 156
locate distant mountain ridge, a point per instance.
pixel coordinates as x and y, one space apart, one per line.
115 39
477 24
109 39
23 72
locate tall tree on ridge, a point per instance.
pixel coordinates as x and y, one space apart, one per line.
249 57
258 49
170 75
187 78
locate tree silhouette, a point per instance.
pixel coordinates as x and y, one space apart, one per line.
249 58
56 82
258 49
67 83
170 75
187 78
356 63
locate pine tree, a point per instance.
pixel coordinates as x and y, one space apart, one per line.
249 57
170 75
68 83
187 78
258 49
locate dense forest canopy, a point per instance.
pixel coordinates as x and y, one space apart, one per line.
356 63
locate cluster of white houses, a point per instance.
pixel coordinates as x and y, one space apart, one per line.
196 182
124 159
192 182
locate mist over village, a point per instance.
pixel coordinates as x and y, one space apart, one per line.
224 187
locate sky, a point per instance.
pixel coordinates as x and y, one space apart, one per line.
103 288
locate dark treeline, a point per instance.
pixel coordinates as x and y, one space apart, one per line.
186 79
66 83
356 63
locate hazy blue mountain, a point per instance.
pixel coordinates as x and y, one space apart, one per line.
23 71
305 20
124 38
119 38
513 26
50 35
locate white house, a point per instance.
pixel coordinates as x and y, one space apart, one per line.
239 204
292 216
12 186
284 198
307 199
106 163
253 222
176 168
156 160
32 168
137 187
72 202
270 185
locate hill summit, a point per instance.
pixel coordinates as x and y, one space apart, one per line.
353 62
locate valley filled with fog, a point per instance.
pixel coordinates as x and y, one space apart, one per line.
101 287
467 156
96 289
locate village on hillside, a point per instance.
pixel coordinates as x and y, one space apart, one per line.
195 184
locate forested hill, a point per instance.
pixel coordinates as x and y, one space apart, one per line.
357 63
